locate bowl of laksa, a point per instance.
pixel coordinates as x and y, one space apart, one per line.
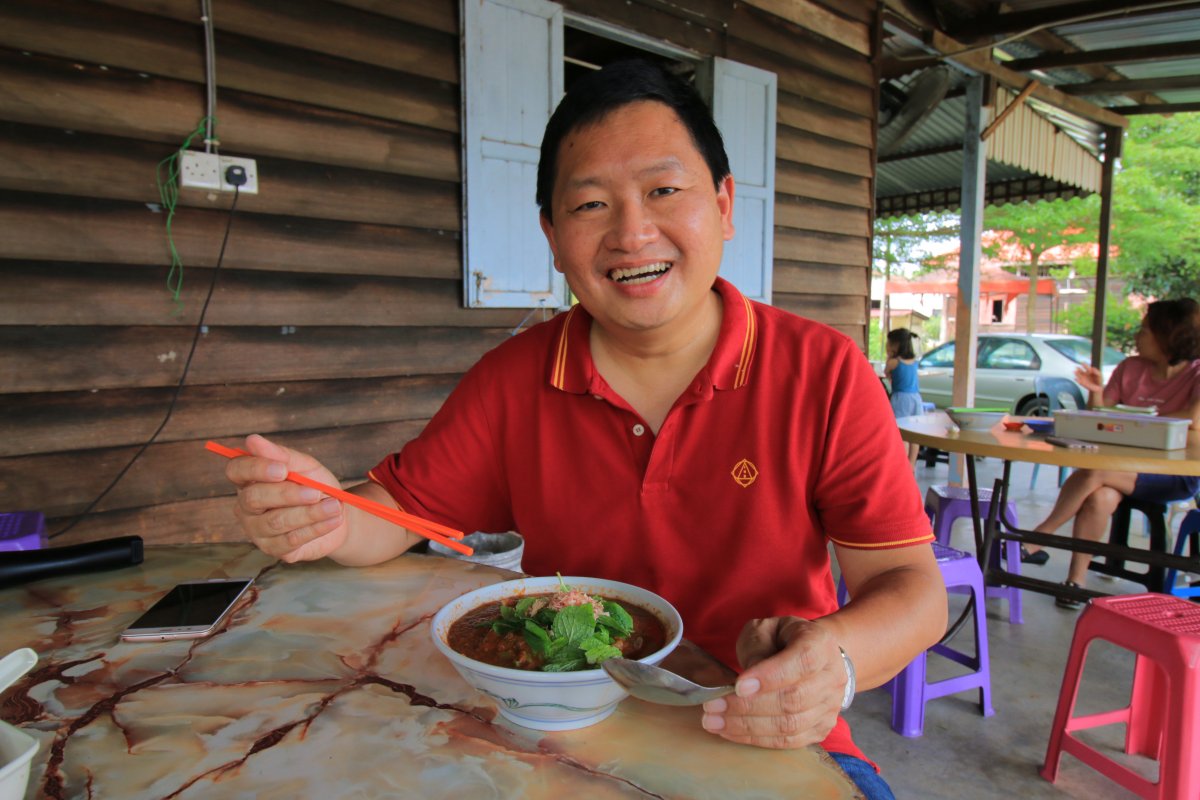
535 645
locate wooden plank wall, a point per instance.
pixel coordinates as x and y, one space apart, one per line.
336 323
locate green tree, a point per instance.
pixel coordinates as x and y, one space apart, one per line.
1121 321
1036 228
899 246
1156 206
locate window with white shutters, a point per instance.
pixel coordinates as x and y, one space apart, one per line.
513 77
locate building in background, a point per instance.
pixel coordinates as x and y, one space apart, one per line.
1003 289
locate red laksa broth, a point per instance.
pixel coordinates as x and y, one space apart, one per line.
559 631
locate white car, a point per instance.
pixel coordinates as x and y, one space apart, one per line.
1007 366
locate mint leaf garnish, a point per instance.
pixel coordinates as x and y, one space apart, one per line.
617 619
567 659
570 638
539 640
596 651
522 606
574 623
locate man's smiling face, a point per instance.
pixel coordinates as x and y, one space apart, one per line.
638 224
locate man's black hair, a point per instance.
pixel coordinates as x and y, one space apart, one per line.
598 93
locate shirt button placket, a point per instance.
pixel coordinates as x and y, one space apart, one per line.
639 429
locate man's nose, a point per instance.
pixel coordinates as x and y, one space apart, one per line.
632 228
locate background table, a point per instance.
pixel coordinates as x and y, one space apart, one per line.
937 431
326 684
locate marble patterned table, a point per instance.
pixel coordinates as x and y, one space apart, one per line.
325 685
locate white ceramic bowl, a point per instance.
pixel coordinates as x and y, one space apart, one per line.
16 746
551 701
16 751
975 420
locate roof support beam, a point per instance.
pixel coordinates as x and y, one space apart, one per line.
932 151
1125 87
1160 108
974 180
1008 109
1116 55
1016 21
980 60
1112 151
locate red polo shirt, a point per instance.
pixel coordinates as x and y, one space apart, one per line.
783 442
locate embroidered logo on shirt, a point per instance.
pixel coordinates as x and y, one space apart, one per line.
744 473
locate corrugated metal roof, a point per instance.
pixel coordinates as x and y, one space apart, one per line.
1170 27
1052 150
1026 144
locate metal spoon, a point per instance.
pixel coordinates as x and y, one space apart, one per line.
657 685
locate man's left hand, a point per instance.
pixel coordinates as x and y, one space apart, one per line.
790 692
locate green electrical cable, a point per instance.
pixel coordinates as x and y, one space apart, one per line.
168 194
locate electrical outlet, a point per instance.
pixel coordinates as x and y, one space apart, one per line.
199 170
251 184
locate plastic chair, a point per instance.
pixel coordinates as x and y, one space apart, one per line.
1061 393
1189 531
945 504
910 689
1177 507
1156 523
1163 716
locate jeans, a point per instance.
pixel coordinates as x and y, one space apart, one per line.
864 776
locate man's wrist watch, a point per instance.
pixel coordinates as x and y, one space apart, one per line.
848 695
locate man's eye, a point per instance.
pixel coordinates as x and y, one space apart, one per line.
590 206
663 191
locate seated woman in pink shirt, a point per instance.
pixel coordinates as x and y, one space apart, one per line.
1165 374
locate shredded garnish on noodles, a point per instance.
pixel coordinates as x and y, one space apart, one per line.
574 597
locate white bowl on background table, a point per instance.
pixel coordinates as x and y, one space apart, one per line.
976 419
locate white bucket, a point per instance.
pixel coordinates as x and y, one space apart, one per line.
501 550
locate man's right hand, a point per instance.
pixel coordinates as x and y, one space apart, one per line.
284 519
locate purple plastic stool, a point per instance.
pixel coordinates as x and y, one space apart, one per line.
22 530
945 504
910 691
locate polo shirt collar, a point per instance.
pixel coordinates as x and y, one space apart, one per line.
571 368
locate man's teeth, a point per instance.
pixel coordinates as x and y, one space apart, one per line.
643 274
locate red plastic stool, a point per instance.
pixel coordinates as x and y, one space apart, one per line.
1163 717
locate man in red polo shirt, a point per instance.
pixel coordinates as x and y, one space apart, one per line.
665 432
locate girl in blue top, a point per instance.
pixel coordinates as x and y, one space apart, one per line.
901 370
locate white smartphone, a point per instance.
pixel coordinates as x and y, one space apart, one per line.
189 611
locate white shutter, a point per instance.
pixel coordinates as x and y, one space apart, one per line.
512 79
743 103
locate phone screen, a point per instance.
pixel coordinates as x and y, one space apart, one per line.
191 606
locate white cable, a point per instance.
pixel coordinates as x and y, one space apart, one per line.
210 74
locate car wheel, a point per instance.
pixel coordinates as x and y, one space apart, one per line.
1035 407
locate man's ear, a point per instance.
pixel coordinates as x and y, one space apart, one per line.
548 230
725 206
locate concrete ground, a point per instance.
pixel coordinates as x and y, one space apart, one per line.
965 755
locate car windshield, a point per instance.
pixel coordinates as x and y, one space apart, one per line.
1080 351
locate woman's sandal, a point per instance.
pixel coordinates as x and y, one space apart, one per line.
1037 557
1063 601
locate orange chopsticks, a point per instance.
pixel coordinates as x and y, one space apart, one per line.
423 527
